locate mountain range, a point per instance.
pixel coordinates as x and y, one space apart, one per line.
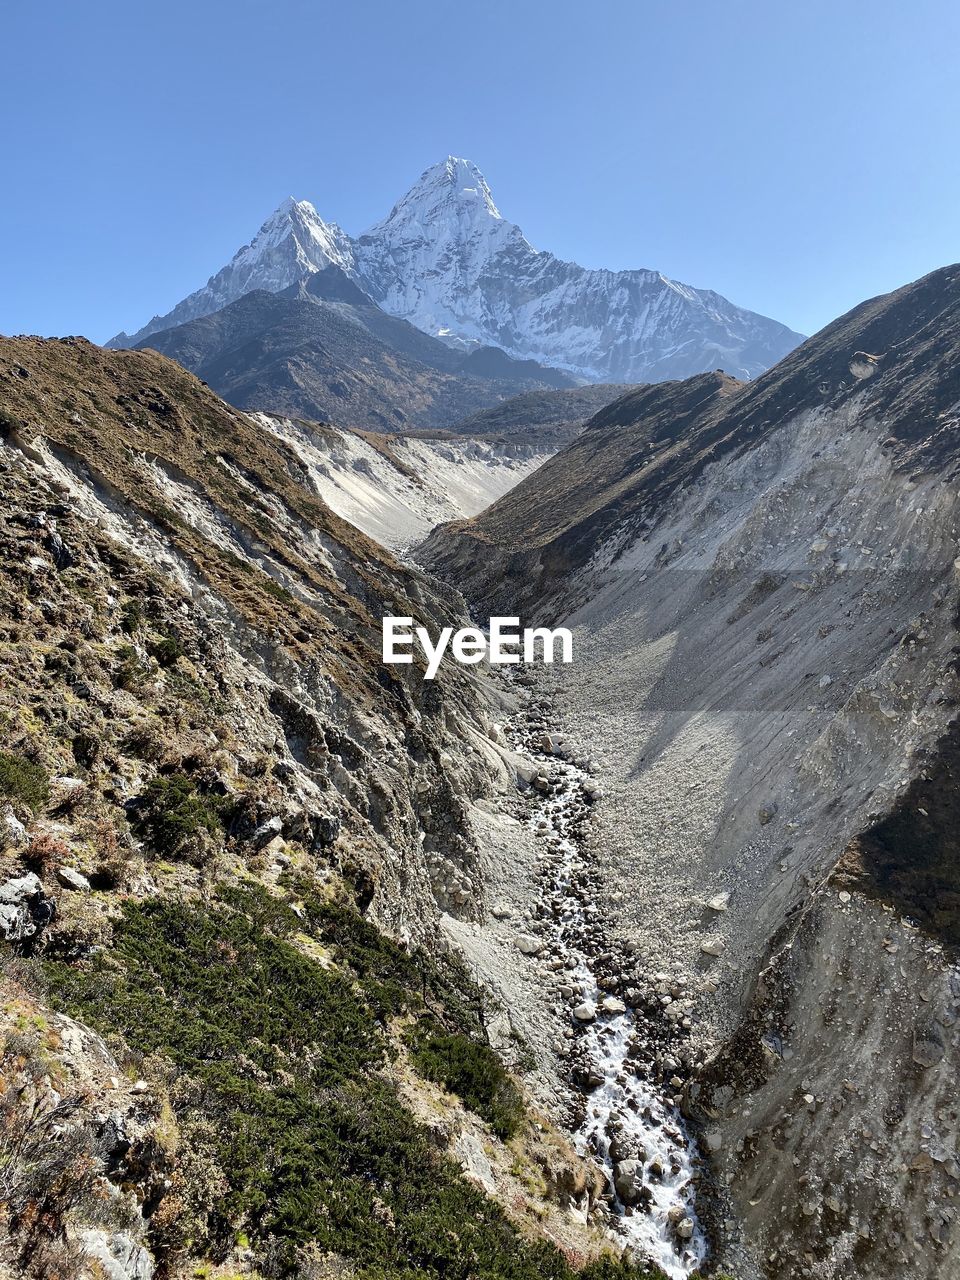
447 261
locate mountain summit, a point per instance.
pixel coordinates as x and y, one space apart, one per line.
445 259
452 180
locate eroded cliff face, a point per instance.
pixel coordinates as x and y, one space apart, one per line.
397 488
140 508
231 1023
765 635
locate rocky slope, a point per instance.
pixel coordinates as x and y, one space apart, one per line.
235 1040
322 349
447 261
763 585
396 488
543 415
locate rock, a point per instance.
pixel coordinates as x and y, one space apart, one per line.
863 365
928 1047
326 828
13 833
713 947
20 899
529 945
116 1254
611 1004
20 889
62 556
525 770
69 785
468 1149
685 1228
826 682
628 1180
267 831
720 902
585 1012
72 879
501 911
712 1140
767 814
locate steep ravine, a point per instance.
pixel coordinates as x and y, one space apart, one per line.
612 1032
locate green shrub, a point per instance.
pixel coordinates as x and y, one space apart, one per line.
279 1059
131 617
132 671
472 1071
274 588
166 650
173 814
21 779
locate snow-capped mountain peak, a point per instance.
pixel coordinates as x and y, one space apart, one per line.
314 243
423 261
294 242
452 184
447 260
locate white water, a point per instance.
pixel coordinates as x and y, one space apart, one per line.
648 1126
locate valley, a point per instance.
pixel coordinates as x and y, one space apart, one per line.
636 967
396 488
479 684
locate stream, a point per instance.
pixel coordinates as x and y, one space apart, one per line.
632 1131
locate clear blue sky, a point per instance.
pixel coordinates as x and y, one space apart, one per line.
796 157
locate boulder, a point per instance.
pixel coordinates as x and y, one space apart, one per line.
928 1047
326 828
628 1180
13 833
70 878
20 899
116 1254
267 831
585 1012
529 945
